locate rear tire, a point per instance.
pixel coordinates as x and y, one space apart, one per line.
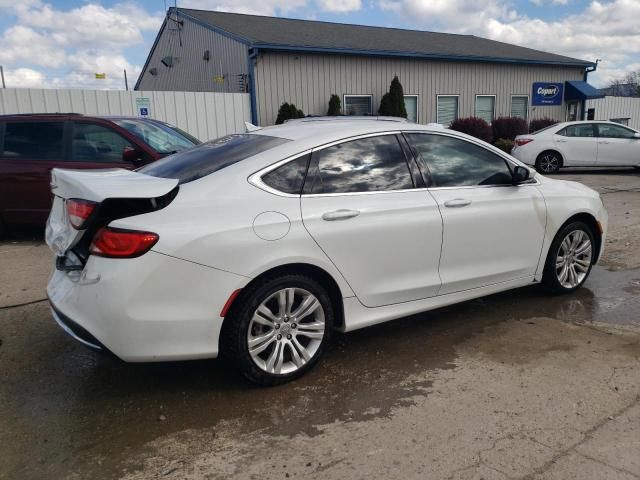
570 258
278 329
548 162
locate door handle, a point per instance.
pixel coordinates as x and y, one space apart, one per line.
603 142
340 215
561 141
457 203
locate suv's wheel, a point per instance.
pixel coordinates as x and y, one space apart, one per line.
548 162
570 258
280 329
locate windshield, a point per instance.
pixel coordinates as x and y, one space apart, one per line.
161 137
210 157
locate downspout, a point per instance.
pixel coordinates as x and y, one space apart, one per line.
585 76
251 59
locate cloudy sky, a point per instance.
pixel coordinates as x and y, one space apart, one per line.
63 43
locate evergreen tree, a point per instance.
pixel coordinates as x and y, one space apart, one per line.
392 103
334 106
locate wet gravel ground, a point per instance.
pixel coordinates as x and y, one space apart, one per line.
516 385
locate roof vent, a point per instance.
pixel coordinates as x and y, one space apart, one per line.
167 61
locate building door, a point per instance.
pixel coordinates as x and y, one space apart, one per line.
572 111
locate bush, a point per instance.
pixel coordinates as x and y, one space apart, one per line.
504 144
334 106
392 103
508 128
288 111
540 123
474 126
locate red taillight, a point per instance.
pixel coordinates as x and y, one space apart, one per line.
79 210
523 141
117 243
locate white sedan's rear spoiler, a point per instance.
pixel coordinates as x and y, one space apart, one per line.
98 185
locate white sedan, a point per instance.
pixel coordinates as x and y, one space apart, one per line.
258 245
579 144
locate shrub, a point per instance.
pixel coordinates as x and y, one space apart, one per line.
509 127
540 123
474 126
334 106
288 111
504 144
392 103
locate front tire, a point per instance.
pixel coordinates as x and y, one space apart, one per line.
570 258
548 162
279 329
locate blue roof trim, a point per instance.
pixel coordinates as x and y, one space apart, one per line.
213 28
385 53
577 90
153 48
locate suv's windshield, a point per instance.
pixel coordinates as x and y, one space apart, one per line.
164 139
211 156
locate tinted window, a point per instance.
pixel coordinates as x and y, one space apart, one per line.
365 165
614 131
453 162
33 140
289 177
159 136
211 156
578 131
91 142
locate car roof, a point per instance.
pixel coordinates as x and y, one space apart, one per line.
74 115
324 130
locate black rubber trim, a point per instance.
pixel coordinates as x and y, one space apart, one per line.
77 330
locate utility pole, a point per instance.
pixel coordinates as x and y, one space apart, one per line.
2 76
126 83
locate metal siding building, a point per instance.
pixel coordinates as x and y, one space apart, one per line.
305 62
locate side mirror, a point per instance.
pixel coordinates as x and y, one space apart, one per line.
520 174
636 135
131 155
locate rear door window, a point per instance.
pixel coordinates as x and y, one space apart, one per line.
369 164
91 142
33 140
210 157
584 130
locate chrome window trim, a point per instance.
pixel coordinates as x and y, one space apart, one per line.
256 178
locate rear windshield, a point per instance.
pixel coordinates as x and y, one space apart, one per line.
210 157
160 137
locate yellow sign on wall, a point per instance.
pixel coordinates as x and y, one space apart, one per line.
101 76
219 79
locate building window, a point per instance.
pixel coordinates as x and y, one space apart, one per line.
357 105
486 107
447 109
519 106
411 105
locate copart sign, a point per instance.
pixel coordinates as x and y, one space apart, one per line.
547 93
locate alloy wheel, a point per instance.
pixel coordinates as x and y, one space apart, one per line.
573 259
549 163
286 331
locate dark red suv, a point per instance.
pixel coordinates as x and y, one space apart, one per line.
31 145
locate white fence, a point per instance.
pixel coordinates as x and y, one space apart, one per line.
206 115
618 109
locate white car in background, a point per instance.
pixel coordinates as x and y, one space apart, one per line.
257 245
579 144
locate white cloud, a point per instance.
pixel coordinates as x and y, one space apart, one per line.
609 31
74 44
24 78
340 6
